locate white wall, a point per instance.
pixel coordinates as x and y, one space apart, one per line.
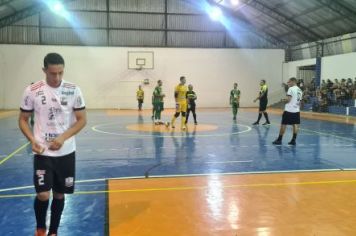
339 66
290 68
332 67
106 82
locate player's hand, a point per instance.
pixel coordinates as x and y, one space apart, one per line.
36 148
255 100
56 143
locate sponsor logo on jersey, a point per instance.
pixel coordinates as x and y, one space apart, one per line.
53 111
79 101
40 172
39 93
50 136
69 182
64 101
54 123
68 93
27 100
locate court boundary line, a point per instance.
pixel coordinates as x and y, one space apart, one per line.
312 131
184 175
13 153
183 188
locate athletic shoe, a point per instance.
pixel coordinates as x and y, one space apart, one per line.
292 142
40 232
173 126
256 123
277 142
234 118
266 123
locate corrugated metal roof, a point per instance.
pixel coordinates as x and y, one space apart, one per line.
251 23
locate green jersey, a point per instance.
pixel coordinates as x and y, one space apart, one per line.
157 95
234 96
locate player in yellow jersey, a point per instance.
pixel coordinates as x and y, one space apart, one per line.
180 95
140 94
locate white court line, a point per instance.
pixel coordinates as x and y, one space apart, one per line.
189 175
223 162
96 129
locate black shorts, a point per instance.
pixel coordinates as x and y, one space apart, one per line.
263 105
191 107
57 173
290 118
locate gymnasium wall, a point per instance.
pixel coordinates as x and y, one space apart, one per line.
102 73
339 66
290 68
332 67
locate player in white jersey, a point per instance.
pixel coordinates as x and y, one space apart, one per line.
291 114
59 110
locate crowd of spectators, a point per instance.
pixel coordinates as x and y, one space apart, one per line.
340 92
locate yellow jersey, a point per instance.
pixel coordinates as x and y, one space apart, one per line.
181 93
140 94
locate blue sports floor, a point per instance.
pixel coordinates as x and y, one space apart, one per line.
107 149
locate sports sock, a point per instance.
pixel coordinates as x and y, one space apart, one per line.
266 116
41 212
56 213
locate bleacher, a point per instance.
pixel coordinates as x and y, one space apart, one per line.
346 107
338 97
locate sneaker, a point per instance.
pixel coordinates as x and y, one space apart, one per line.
292 142
234 118
183 128
277 142
40 232
173 126
266 123
256 123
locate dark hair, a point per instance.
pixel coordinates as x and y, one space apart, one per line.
264 81
182 77
293 79
53 59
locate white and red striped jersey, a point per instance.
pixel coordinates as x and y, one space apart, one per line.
54 112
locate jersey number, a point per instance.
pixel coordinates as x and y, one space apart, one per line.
43 100
299 96
40 179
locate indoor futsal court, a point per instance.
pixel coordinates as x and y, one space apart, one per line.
104 70
217 178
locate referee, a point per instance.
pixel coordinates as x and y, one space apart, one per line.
262 96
